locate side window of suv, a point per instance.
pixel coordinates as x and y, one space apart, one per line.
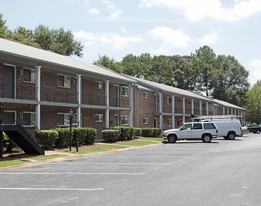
197 126
209 126
186 127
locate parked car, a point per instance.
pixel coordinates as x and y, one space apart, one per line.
256 129
204 131
228 128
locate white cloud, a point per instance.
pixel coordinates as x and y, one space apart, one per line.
170 38
112 8
209 38
106 39
200 9
255 71
123 30
93 11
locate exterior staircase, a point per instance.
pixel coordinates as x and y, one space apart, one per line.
20 135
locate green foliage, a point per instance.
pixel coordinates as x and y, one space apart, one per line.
126 133
8 143
151 132
86 136
253 113
80 133
110 135
63 137
137 132
90 136
47 137
147 132
55 40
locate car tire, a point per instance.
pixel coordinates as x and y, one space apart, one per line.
258 131
226 138
172 138
231 136
206 138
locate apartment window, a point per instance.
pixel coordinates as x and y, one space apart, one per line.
63 119
28 118
29 75
64 81
125 91
125 120
99 85
145 95
169 121
169 99
99 117
145 121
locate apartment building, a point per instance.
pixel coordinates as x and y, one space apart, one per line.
41 87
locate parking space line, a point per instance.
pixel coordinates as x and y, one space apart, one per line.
52 189
110 163
68 173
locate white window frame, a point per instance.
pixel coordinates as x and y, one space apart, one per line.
100 117
124 91
32 119
125 118
145 120
98 85
64 76
33 77
169 123
145 95
169 100
64 118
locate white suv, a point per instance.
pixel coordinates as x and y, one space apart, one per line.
191 131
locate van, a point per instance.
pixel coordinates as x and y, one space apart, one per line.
227 128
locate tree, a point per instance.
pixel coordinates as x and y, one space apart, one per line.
203 63
183 75
253 113
109 63
229 80
58 41
4 32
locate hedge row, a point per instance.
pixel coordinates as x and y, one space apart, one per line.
60 137
128 133
151 132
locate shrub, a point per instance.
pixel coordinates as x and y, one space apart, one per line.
147 132
137 132
63 137
125 132
110 135
80 133
151 132
8 143
47 137
90 136
156 132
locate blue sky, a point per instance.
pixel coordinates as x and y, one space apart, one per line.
170 27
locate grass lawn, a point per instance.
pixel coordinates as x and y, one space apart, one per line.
47 157
100 148
153 138
10 162
139 143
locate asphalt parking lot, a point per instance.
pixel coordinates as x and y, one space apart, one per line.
186 173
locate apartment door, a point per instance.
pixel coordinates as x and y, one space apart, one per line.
116 120
9 81
155 123
116 95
